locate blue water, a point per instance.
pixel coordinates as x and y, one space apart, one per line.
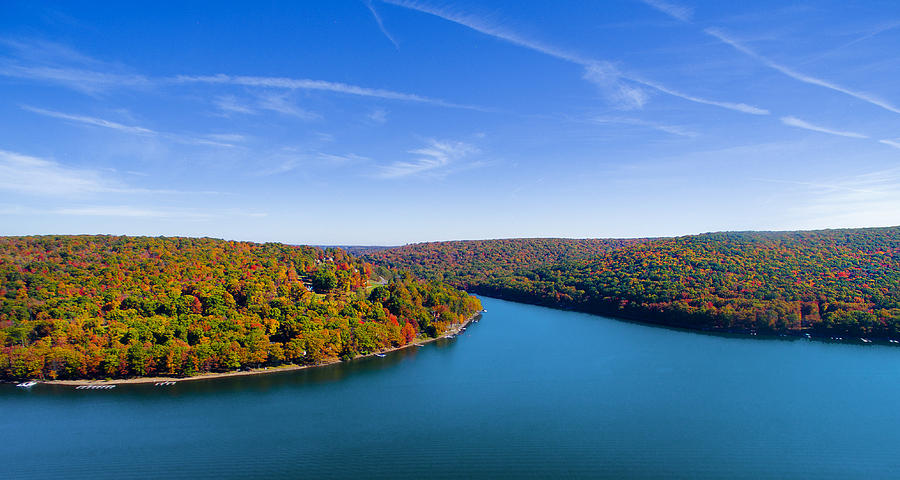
526 392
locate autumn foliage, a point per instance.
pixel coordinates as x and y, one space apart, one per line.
830 282
103 306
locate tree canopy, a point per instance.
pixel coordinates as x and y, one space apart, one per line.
829 282
105 306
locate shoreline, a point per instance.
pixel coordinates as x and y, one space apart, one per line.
636 318
254 371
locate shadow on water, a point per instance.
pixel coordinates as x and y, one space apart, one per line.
795 336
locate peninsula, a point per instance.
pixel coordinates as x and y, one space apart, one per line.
96 307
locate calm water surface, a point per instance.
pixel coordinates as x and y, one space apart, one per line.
526 392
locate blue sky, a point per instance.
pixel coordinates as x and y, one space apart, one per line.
390 122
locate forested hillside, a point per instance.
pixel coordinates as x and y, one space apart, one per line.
829 283
104 306
472 262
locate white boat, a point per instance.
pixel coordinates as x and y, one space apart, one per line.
865 340
27 384
380 355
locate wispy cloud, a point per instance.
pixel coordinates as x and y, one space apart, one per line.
684 14
290 159
866 97
609 80
670 129
861 200
31 175
874 32
99 122
265 100
737 107
43 51
820 185
893 143
281 104
85 81
435 157
678 12
321 85
136 130
324 137
281 164
130 211
230 104
368 4
607 76
58 64
342 159
877 31
378 115
604 74
796 122
227 137
486 27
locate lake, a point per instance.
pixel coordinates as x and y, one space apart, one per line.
526 392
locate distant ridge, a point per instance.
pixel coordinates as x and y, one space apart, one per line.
358 250
833 283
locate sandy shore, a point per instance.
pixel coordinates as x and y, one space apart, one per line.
255 371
